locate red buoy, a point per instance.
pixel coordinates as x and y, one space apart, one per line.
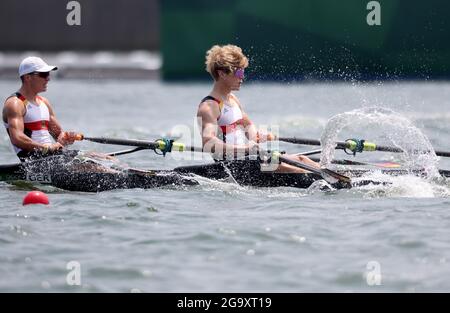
35 197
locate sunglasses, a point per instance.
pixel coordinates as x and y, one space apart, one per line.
41 74
239 73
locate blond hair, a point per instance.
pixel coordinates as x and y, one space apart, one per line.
226 58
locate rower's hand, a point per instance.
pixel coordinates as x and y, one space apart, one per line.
253 148
67 138
271 137
52 148
262 137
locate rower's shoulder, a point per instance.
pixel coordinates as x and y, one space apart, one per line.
13 108
208 103
234 97
236 100
13 102
44 99
208 107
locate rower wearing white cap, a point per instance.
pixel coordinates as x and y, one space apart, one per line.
29 118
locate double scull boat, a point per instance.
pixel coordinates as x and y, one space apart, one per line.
242 172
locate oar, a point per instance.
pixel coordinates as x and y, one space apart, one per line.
122 152
312 152
353 145
329 175
350 162
163 145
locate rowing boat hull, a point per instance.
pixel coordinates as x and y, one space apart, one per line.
94 182
245 173
242 172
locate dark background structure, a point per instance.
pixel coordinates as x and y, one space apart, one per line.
285 40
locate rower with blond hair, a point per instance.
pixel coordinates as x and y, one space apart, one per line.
226 129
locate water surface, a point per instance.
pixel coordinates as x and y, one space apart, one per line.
219 237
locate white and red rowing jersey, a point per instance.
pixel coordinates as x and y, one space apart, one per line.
230 121
36 121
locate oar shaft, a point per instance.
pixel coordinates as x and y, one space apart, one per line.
302 141
310 142
367 146
124 142
443 153
342 162
144 144
122 152
314 142
322 172
312 152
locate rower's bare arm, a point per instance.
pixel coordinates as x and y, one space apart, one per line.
13 114
207 117
55 129
250 129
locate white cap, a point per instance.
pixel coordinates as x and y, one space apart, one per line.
34 64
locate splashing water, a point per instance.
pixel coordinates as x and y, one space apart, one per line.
402 186
384 127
